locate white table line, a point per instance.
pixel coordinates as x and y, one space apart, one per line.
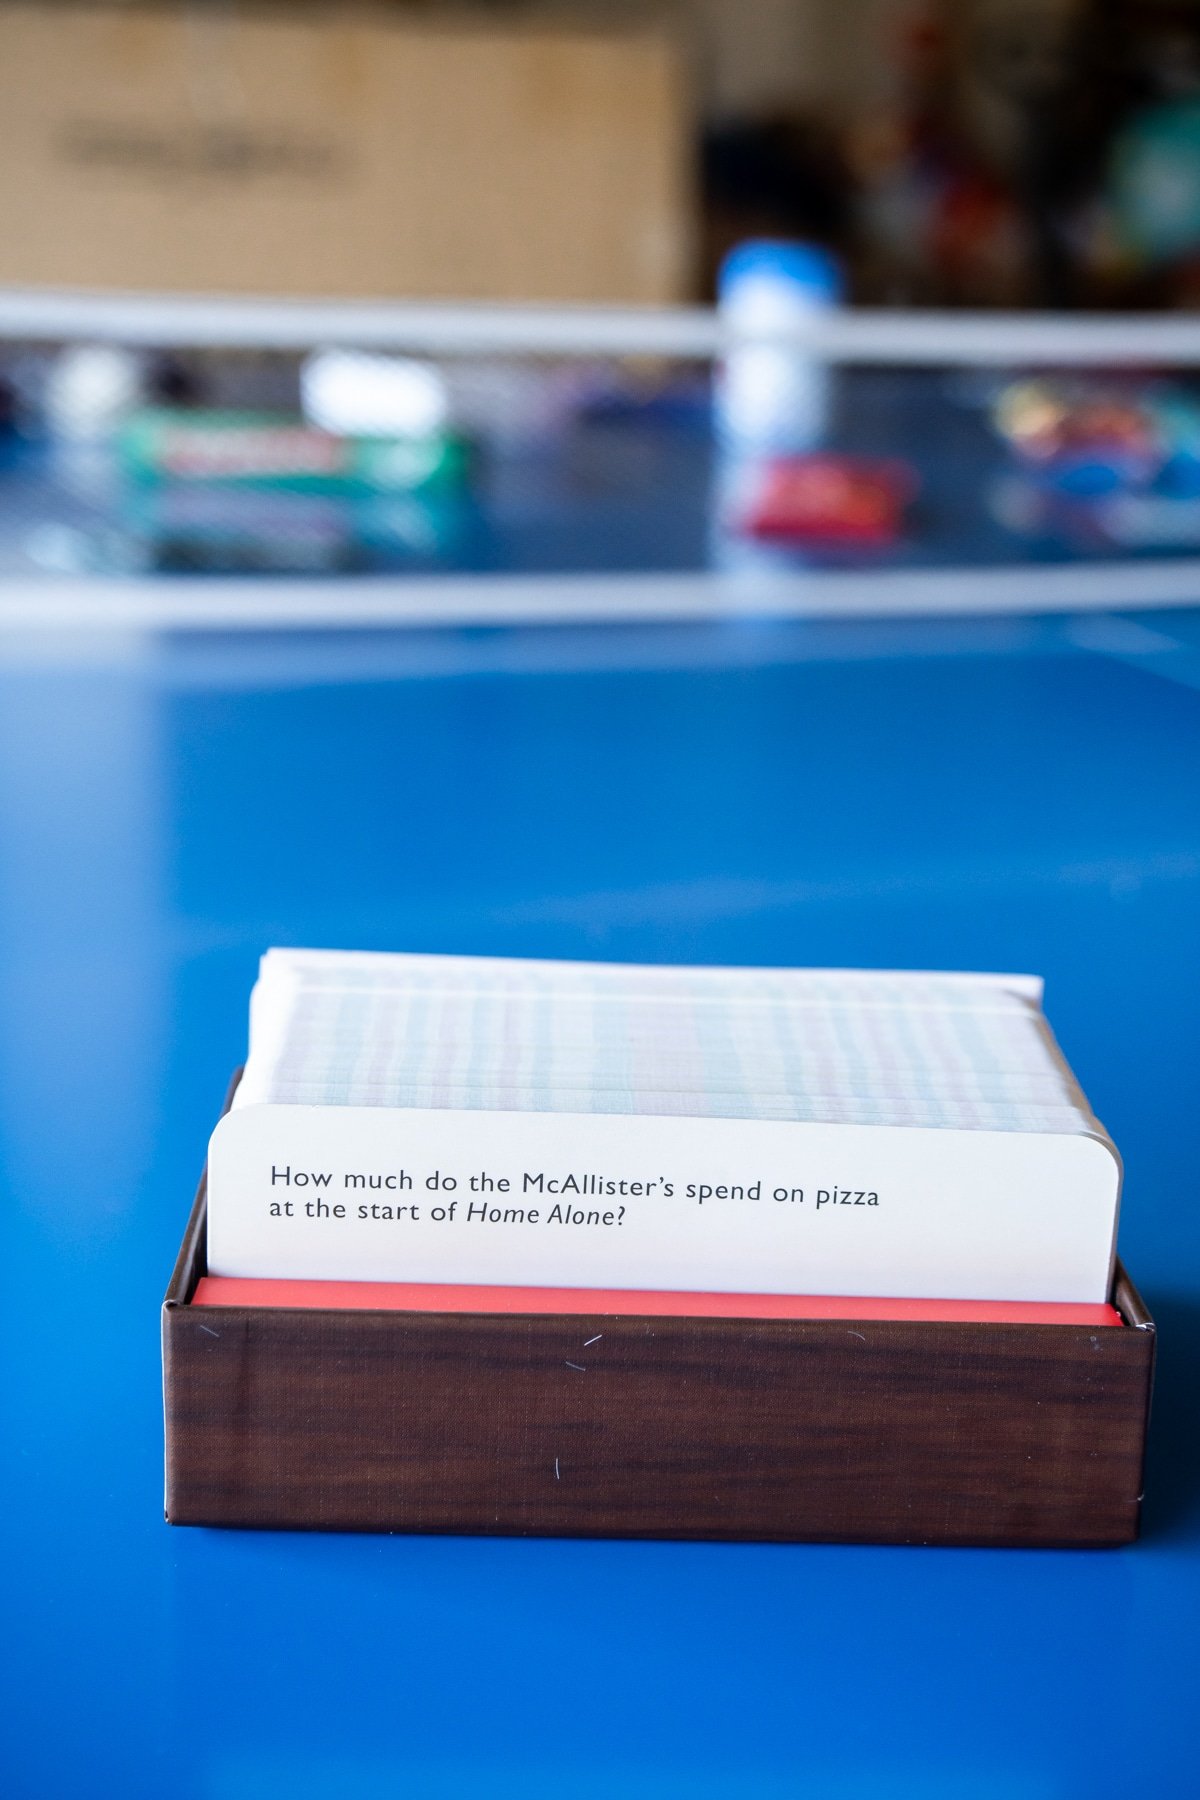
244 604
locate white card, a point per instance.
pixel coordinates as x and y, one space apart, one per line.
381 1193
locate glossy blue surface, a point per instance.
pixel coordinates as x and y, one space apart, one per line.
995 795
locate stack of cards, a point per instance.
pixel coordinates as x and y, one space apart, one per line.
963 1052
452 1119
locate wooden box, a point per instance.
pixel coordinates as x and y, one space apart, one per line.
814 1429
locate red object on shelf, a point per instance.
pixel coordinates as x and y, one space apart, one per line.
831 500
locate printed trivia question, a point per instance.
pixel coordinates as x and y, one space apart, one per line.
319 1203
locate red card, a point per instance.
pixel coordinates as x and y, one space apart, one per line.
395 1296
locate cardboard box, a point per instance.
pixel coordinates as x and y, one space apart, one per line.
338 154
680 1427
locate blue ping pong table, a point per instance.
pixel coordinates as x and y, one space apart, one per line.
1004 793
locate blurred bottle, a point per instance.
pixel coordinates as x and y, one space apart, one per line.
774 396
90 389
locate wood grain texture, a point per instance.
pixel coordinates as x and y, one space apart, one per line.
822 1430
